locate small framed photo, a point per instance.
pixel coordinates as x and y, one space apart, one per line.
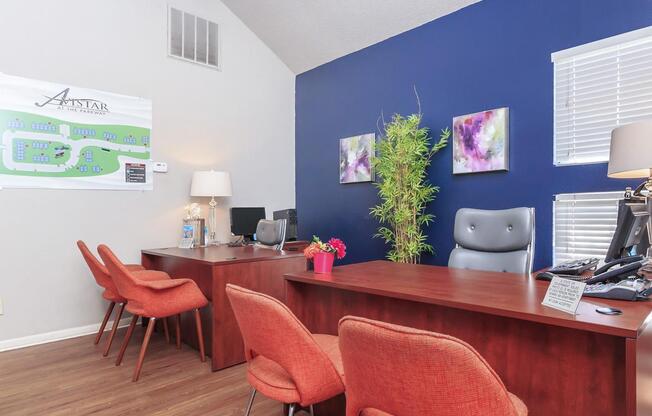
355 158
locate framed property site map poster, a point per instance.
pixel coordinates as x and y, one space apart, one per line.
64 137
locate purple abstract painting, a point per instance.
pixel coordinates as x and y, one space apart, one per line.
355 158
481 141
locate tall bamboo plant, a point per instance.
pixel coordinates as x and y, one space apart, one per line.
404 154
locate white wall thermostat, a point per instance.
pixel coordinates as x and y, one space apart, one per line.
160 167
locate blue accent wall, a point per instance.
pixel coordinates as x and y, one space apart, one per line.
495 53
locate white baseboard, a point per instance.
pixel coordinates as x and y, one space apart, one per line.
31 340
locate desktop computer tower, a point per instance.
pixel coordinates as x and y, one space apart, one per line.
291 216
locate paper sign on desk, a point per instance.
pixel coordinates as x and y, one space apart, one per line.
564 295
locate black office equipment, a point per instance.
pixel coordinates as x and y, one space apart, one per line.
290 215
617 270
618 279
575 267
244 221
549 275
623 258
630 237
628 289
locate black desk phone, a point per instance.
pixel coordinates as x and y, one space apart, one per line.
617 279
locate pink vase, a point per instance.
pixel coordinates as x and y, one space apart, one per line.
323 262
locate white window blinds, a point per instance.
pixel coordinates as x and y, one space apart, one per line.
584 224
597 87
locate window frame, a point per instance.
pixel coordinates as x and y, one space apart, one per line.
597 48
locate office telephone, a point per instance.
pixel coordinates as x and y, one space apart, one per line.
617 270
617 279
629 289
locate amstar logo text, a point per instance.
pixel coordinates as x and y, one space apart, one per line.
86 105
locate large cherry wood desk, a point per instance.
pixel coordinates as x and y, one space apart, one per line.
559 364
212 268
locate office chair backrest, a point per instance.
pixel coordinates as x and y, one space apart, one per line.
99 271
495 240
399 371
271 330
272 233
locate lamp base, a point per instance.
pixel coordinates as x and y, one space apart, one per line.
212 222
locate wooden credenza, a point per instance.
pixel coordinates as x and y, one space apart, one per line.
212 268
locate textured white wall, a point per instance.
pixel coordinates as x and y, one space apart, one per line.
240 120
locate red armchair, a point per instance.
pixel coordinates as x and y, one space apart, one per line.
285 362
154 300
393 370
103 279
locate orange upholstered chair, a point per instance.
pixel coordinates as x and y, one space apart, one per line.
154 300
393 370
102 277
285 362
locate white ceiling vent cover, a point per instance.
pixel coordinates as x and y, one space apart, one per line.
193 38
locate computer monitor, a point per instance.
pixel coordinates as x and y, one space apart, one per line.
244 221
630 237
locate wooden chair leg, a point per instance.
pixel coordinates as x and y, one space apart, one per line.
123 348
178 330
143 348
107 315
166 330
200 336
116 323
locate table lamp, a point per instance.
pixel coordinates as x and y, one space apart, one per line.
630 156
211 184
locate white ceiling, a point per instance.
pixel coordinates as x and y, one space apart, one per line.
308 33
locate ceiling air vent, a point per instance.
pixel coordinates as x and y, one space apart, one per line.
193 39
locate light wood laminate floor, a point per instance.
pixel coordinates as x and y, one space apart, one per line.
71 378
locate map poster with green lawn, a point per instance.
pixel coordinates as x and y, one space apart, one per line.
65 137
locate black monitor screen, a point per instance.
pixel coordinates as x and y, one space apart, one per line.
630 237
245 220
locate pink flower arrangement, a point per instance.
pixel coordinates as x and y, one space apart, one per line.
334 246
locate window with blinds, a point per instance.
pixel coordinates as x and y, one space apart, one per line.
583 224
597 87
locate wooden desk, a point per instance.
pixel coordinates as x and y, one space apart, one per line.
559 364
212 268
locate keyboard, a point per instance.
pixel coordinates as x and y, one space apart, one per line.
548 276
575 267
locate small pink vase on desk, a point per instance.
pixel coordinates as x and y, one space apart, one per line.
323 262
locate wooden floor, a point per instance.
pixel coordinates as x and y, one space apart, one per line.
72 378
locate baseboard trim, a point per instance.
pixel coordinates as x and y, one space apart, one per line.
38 339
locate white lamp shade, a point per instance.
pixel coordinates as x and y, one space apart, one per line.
630 154
211 183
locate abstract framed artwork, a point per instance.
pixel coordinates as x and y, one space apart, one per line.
355 158
481 142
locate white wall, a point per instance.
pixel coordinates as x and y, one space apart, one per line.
240 120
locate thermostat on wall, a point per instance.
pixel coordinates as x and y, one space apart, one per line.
160 167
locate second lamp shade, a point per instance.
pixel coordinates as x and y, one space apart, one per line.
630 154
211 183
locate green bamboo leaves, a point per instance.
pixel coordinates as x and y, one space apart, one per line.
404 154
